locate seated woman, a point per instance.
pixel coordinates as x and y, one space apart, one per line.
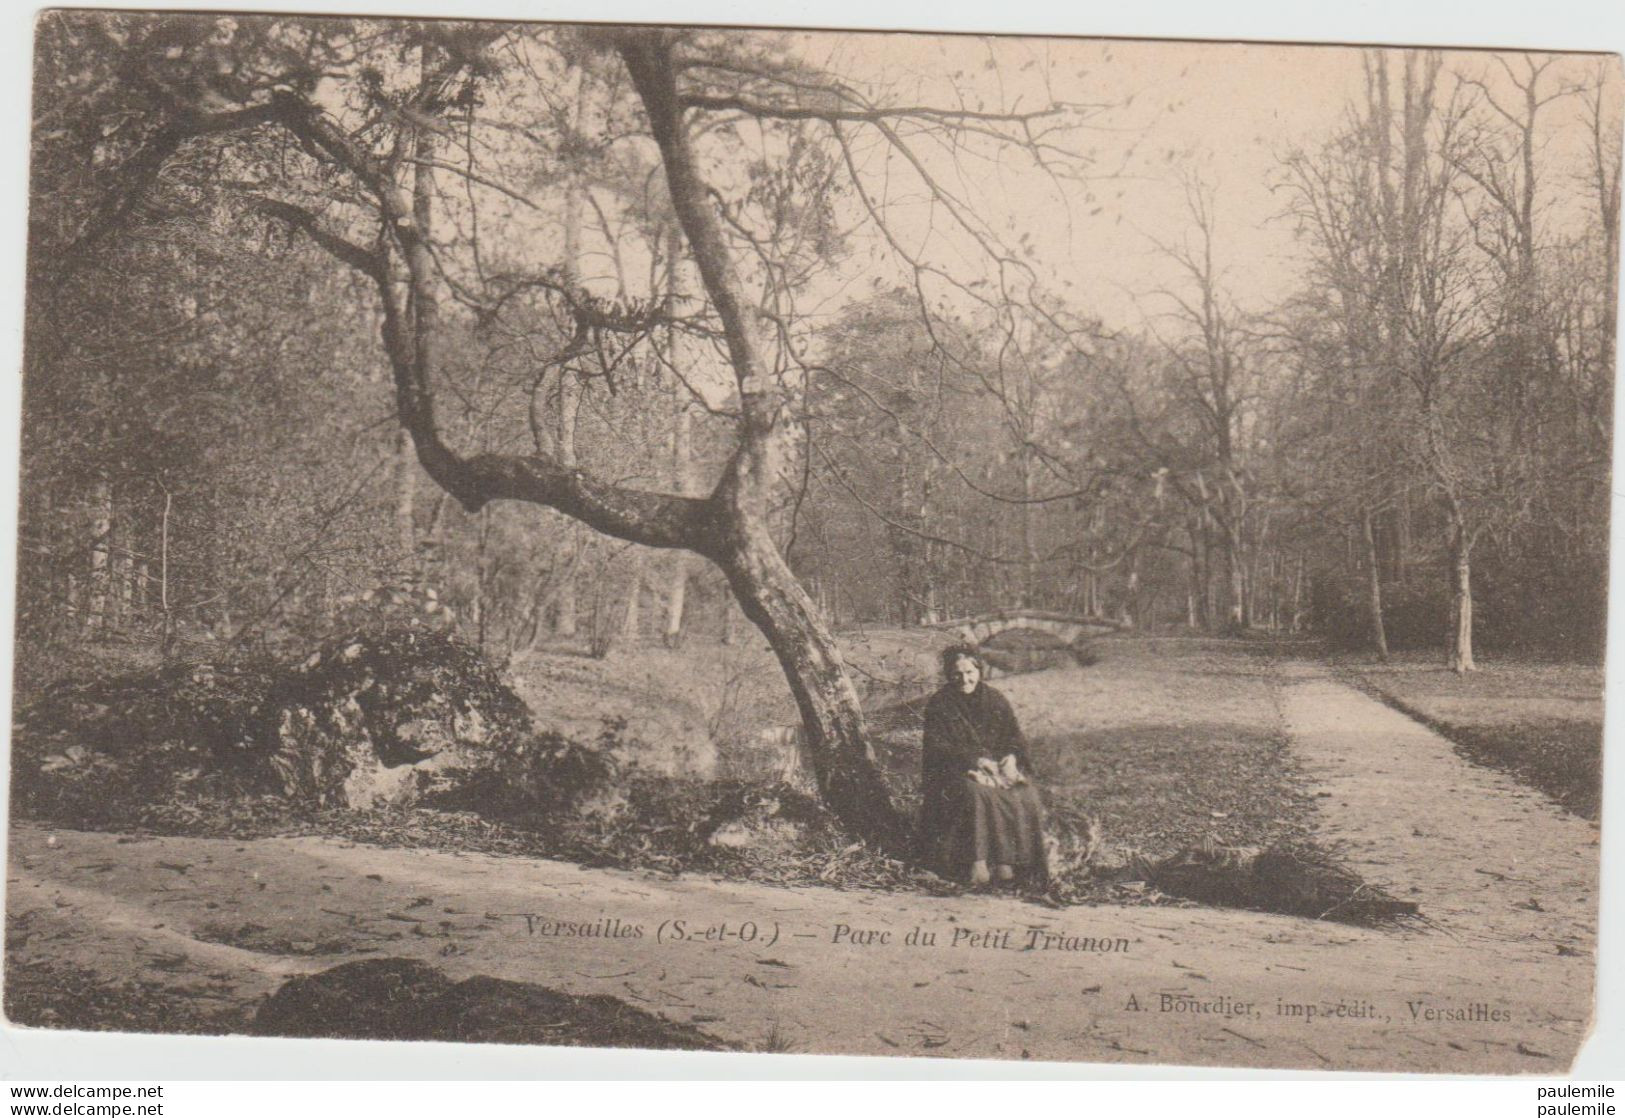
981 818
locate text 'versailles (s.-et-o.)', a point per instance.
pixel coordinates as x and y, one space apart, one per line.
679 930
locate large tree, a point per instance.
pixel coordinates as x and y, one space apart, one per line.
348 133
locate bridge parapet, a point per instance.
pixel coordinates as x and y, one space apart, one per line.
1070 628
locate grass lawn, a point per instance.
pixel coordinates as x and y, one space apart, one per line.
1539 721
1169 742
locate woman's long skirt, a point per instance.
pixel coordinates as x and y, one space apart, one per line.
999 826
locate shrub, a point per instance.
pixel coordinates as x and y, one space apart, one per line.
367 718
99 749
388 716
536 780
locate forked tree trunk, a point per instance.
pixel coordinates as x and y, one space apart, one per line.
729 526
762 581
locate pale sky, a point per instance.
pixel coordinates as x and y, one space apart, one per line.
1226 112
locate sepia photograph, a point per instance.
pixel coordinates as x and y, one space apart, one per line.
838 543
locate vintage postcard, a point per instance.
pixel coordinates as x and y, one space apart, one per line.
894 544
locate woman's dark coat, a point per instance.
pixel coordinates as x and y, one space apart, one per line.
960 730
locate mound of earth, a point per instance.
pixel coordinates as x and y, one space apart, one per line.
389 719
404 999
367 720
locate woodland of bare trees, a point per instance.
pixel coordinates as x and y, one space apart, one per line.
579 337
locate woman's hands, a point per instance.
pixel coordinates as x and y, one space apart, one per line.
986 773
1005 773
1010 769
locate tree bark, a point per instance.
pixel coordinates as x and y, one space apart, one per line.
406 489
1461 603
676 602
682 448
565 616
1131 597
120 567
831 715
565 620
1235 613
729 526
764 584
632 618
1297 596
1379 634
1201 578
101 533
163 576
1029 545
482 539
1402 537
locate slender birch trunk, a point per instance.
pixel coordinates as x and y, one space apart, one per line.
1379 634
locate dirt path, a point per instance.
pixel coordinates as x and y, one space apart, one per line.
1499 867
222 923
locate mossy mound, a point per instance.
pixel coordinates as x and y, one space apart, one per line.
369 719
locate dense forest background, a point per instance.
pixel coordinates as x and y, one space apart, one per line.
1410 449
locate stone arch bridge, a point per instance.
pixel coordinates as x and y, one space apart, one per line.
1071 628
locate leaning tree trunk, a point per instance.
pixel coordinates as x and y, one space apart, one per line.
831 714
762 581
1379 634
1461 603
729 527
